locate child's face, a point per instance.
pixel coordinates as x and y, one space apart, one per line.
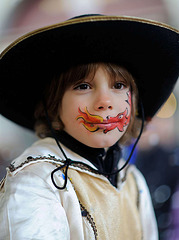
97 111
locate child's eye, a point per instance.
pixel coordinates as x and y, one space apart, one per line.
119 85
82 86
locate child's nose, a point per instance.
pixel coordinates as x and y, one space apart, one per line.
103 102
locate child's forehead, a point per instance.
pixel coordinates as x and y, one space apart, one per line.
112 71
110 74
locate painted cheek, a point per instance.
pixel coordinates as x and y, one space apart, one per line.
120 121
129 100
88 120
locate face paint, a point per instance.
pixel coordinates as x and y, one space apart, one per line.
89 121
94 122
129 98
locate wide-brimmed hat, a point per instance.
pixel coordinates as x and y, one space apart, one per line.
148 49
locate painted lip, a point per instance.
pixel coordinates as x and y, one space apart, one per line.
103 125
106 127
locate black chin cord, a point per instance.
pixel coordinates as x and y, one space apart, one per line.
69 162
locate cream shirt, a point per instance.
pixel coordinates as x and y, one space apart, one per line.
89 208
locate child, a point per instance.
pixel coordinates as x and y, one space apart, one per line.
88 85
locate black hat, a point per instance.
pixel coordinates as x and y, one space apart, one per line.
148 49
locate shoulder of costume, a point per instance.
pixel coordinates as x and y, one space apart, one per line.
45 151
41 151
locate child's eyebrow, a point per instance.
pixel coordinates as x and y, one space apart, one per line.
82 80
87 78
120 78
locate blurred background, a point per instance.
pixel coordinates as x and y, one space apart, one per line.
157 154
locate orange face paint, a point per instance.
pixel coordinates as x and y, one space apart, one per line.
89 121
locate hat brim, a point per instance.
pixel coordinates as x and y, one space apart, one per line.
148 49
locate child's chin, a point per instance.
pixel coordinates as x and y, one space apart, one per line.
101 140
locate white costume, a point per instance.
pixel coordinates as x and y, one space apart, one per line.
89 208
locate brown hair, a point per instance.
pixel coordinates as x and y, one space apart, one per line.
61 82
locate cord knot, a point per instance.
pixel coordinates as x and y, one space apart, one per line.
66 164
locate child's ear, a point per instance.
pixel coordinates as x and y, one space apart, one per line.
57 124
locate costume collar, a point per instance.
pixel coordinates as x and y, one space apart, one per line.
102 160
